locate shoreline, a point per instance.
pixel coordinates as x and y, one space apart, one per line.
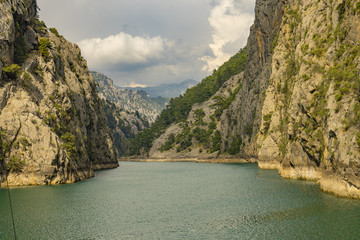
194 160
329 182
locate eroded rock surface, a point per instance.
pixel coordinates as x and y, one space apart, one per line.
52 126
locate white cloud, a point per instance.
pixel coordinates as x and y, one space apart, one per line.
231 28
134 85
123 51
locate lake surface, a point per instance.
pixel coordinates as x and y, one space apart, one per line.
144 200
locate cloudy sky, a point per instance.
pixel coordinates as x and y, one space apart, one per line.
148 42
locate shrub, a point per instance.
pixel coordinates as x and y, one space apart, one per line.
235 145
168 144
54 31
12 71
39 26
44 44
267 121
15 163
216 142
69 144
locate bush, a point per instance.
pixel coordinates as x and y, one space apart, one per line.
54 31
15 163
235 145
168 144
69 144
39 26
44 44
12 71
216 142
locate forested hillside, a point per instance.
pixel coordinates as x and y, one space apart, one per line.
179 108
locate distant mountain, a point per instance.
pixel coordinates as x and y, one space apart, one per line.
167 90
129 100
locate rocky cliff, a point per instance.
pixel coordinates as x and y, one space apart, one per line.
53 128
310 118
298 108
123 126
129 100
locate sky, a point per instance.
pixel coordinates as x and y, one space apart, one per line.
150 42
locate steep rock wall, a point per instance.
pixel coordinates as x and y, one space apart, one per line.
311 112
53 129
242 119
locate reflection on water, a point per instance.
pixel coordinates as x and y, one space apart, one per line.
180 201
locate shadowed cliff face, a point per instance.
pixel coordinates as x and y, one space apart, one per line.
52 126
242 119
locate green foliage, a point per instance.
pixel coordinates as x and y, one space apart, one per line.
3 145
212 125
12 71
168 144
235 145
201 135
216 142
199 115
27 81
283 145
267 121
54 31
24 143
319 102
358 140
20 51
178 108
39 26
341 10
69 144
44 44
15 163
304 48
223 104
357 8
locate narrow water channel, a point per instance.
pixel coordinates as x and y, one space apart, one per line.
149 200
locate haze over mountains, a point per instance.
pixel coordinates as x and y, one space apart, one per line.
170 90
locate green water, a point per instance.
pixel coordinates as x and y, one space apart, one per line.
180 201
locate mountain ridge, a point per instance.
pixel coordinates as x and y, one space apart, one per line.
129 100
167 90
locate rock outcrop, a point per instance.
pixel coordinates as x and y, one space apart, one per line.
52 125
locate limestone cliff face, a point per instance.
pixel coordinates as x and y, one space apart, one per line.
53 128
310 118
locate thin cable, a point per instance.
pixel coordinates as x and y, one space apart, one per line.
10 202
11 209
